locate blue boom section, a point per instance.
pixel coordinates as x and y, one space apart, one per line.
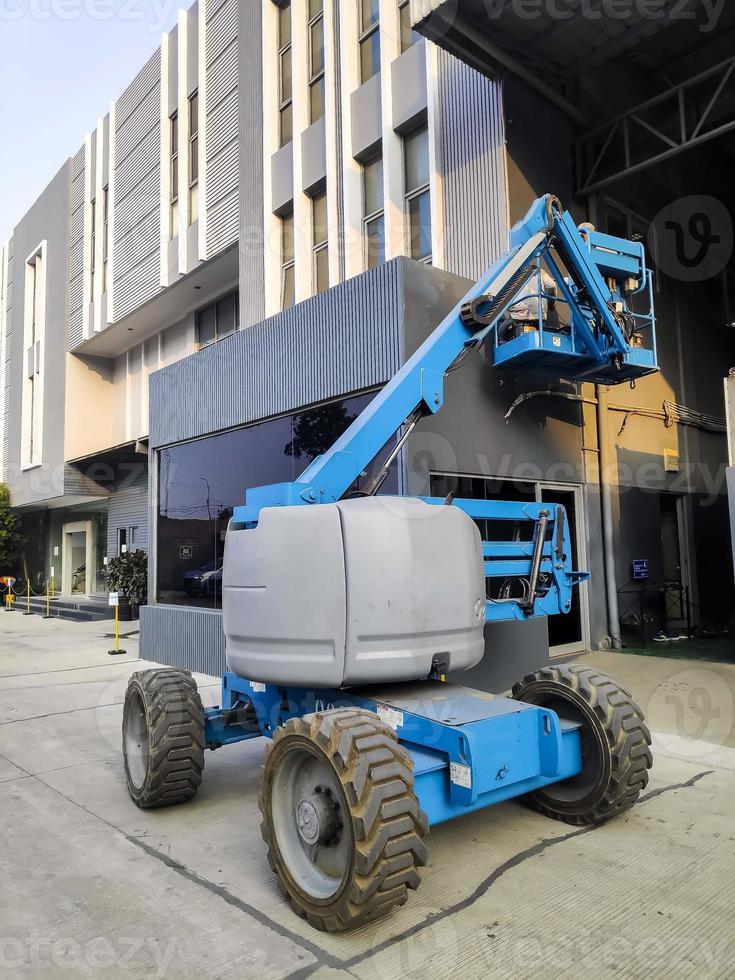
469 750
597 278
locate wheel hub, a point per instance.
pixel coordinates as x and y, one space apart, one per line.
317 817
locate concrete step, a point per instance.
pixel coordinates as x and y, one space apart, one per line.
77 610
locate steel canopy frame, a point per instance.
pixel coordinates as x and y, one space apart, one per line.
593 147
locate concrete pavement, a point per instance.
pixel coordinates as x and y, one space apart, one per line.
92 886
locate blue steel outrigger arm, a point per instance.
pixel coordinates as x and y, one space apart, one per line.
596 348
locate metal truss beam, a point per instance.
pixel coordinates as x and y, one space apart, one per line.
598 153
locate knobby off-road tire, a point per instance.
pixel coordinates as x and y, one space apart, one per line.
343 827
163 738
616 753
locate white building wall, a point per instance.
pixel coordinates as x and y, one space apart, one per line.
469 212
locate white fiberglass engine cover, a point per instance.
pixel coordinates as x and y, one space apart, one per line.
364 591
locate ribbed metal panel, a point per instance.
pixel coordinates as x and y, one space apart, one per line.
341 341
76 251
138 89
137 242
252 260
77 484
472 141
223 204
189 638
129 508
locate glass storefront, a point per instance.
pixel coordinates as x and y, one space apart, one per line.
201 482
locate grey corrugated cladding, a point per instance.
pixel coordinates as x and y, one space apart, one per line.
191 639
137 198
222 156
472 146
76 252
346 339
8 360
129 508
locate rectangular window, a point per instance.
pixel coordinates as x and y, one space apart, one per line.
33 337
174 175
316 60
218 320
373 212
193 158
105 235
93 246
288 280
320 242
417 194
285 75
408 35
201 481
369 39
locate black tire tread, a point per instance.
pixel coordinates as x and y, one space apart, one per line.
175 722
625 730
389 827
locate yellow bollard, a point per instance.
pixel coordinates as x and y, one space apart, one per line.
117 652
9 597
28 600
48 604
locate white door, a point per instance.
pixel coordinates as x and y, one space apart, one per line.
77 559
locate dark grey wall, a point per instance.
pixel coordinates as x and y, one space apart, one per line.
47 220
344 340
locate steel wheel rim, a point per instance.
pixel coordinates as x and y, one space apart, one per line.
137 745
307 801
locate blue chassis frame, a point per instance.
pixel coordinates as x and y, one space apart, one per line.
469 749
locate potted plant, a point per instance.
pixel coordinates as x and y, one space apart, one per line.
127 574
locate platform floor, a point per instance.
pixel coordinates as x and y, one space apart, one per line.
92 886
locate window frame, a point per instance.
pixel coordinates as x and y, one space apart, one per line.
288 260
321 246
285 105
93 248
215 305
413 194
173 121
105 235
193 150
373 216
318 77
413 35
365 33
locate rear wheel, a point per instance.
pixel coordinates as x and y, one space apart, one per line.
163 738
616 754
344 829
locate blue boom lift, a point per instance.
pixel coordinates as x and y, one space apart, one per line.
343 611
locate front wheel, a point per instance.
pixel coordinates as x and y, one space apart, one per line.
615 740
343 827
163 738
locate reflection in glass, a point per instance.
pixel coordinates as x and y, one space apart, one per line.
201 482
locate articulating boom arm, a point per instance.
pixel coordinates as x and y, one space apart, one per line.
596 277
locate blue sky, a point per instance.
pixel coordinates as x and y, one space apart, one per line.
61 64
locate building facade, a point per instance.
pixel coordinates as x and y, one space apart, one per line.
283 204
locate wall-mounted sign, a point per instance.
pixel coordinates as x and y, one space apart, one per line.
186 552
640 569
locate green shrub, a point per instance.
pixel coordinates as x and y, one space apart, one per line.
128 574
